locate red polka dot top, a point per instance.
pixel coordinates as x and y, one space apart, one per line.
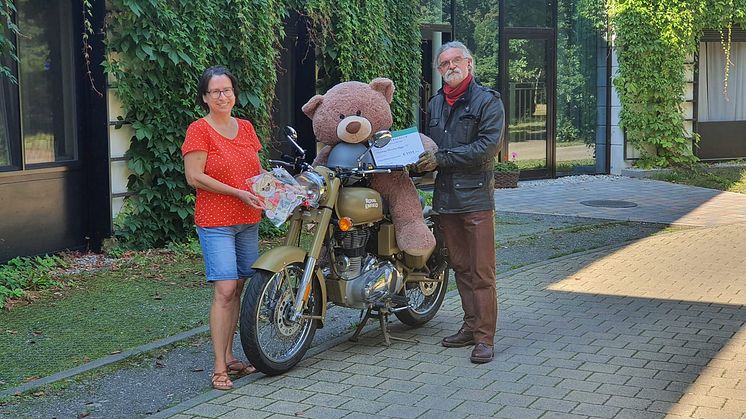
230 161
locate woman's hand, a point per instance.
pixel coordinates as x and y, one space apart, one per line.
250 199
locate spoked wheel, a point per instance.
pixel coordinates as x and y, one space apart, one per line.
425 299
272 342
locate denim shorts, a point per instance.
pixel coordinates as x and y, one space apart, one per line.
229 251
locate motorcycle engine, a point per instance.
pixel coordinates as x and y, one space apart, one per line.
369 280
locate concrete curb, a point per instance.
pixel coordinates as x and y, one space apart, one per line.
103 361
213 394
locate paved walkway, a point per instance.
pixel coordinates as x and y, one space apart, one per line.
653 329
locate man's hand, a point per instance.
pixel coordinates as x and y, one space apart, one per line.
426 163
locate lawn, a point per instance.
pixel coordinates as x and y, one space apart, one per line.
142 298
730 179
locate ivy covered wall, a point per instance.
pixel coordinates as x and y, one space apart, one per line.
157 52
652 40
158 49
362 40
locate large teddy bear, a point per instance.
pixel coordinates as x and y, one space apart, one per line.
352 112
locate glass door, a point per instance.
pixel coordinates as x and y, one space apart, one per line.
528 94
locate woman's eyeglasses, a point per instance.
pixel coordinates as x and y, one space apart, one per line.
215 94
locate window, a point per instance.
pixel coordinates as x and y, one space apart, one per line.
715 102
37 125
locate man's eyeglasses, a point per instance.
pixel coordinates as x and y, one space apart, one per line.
215 94
447 64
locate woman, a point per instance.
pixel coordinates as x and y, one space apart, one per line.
220 154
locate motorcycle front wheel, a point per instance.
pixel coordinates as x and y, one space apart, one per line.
425 299
271 341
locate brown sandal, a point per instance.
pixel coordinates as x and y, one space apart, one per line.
220 381
239 369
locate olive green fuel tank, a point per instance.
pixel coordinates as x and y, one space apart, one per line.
362 205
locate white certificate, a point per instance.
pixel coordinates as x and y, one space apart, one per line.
404 148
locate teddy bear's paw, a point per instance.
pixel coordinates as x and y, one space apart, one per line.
415 239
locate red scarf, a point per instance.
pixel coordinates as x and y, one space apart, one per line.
453 93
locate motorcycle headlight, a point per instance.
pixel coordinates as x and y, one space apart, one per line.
314 185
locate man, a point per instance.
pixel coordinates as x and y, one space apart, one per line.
466 121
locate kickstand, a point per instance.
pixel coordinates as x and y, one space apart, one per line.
360 325
383 317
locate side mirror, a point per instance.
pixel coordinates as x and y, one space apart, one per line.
292 136
381 138
291 133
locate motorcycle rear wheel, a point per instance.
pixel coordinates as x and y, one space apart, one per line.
425 299
271 341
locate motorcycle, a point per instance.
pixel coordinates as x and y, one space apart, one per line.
343 252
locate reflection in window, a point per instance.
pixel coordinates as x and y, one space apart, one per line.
578 75
42 69
528 13
435 11
477 27
527 117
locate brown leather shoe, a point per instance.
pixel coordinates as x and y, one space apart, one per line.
482 353
460 339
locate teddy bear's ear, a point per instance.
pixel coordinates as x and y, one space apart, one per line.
385 86
310 107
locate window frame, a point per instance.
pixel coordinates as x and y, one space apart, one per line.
70 90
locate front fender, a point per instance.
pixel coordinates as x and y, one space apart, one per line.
276 259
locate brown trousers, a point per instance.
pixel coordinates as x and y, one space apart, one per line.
470 238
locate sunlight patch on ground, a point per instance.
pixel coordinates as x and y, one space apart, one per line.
675 266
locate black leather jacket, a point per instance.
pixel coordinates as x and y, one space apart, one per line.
468 136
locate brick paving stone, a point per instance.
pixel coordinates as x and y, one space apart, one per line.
246 402
596 410
558 415
615 389
578 385
323 412
332 365
287 408
406 412
515 412
291 395
209 410
472 395
400 397
477 408
637 414
327 400
628 402
364 406
241 413
435 390
360 415
587 397
441 414
662 395
363 380
511 399
364 393
553 405
548 392
325 387
439 403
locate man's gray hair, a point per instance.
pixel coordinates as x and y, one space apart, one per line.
449 45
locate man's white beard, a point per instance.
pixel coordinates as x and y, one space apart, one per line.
454 77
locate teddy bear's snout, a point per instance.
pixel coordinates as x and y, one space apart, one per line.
354 129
